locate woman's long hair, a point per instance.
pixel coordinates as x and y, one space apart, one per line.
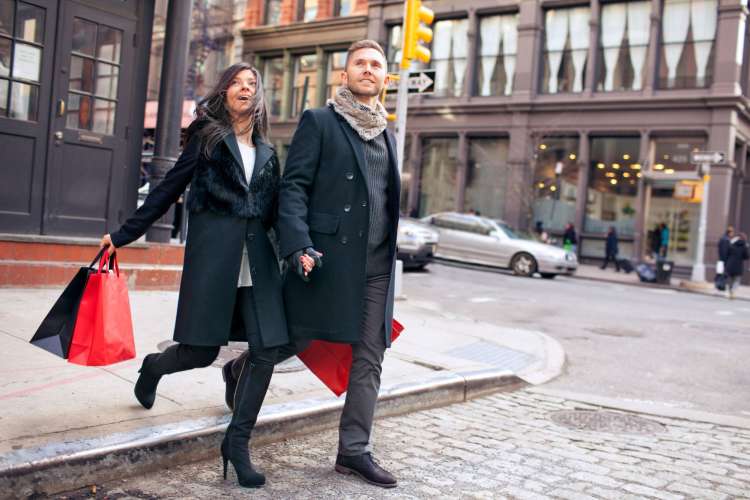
212 117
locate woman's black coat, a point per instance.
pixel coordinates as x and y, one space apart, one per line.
736 257
225 212
323 203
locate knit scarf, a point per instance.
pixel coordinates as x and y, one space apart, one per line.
366 121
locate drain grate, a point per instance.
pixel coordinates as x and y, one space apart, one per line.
606 421
494 355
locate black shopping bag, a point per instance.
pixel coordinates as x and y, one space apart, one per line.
720 281
56 331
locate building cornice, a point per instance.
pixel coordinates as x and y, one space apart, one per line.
342 30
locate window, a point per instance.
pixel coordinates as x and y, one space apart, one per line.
449 51
613 184
566 44
623 42
555 182
438 175
487 176
344 7
273 12
93 77
21 46
336 64
498 37
308 10
393 50
688 31
273 84
305 84
673 155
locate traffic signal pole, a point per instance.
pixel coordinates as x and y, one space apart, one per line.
402 105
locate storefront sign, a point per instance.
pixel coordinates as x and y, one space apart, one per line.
690 191
27 62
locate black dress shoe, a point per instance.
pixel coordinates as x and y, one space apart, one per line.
230 384
365 467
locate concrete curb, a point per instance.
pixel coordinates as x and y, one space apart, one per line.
68 466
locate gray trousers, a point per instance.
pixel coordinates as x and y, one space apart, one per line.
355 426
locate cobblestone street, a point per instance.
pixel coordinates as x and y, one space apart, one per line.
502 446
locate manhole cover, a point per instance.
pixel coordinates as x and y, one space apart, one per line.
606 421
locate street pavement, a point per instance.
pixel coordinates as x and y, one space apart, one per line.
508 445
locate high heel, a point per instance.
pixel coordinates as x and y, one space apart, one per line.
145 386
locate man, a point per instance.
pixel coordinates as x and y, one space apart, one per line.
724 244
611 249
339 201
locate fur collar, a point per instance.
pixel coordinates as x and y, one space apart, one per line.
367 122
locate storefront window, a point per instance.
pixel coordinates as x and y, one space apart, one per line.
449 51
336 64
487 177
688 32
566 44
273 83
393 50
438 175
613 185
673 155
623 42
555 182
305 69
498 36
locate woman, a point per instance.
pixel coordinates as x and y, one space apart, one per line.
737 254
231 286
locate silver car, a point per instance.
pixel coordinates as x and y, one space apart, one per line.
479 240
416 243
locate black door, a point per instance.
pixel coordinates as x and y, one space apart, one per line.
86 165
27 49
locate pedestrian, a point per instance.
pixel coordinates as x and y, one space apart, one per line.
737 254
611 249
656 241
340 197
664 243
231 287
724 243
570 239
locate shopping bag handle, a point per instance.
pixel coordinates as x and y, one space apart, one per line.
109 261
96 259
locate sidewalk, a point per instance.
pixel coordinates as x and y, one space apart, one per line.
591 272
65 426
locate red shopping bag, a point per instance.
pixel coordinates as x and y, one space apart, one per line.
332 361
103 334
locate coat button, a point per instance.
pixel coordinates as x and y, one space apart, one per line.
250 236
349 176
347 208
364 203
252 269
361 234
344 240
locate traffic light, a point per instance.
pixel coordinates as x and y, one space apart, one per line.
414 32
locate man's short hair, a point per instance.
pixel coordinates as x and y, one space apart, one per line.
363 44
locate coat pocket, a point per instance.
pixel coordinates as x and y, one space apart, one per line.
324 223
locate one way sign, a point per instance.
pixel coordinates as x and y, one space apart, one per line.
420 82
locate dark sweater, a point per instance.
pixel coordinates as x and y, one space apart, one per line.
376 160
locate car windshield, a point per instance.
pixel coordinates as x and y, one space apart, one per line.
505 228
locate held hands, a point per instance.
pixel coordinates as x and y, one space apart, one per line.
304 261
106 242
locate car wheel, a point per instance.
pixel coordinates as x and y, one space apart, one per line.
548 276
523 264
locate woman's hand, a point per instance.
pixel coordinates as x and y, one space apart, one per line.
106 242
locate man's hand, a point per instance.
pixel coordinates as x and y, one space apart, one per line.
106 242
304 261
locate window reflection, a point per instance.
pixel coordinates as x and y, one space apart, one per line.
623 39
555 182
566 43
688 31
487 174
449 56
438 175
498 38
305 84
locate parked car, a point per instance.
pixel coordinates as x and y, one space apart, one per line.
416 243
491 242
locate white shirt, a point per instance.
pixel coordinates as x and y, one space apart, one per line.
248 163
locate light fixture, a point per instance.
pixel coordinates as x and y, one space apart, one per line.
669 171
572 156
600 165
626 156
666 157
542 147
635 166
609 174
553 188
639 175
626 174
541 185
613 181
659 166
616 166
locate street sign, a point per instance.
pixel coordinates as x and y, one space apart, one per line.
420 82
713 157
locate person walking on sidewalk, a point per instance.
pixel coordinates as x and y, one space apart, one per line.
231 287
340 198
724 243
570 239
737 254
611 249
664 243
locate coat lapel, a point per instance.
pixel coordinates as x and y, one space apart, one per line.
356 143
231 142
263 153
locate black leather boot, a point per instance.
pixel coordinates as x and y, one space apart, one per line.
251 390
365 467
230 372
148 380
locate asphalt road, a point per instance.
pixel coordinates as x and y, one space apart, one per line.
635 343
